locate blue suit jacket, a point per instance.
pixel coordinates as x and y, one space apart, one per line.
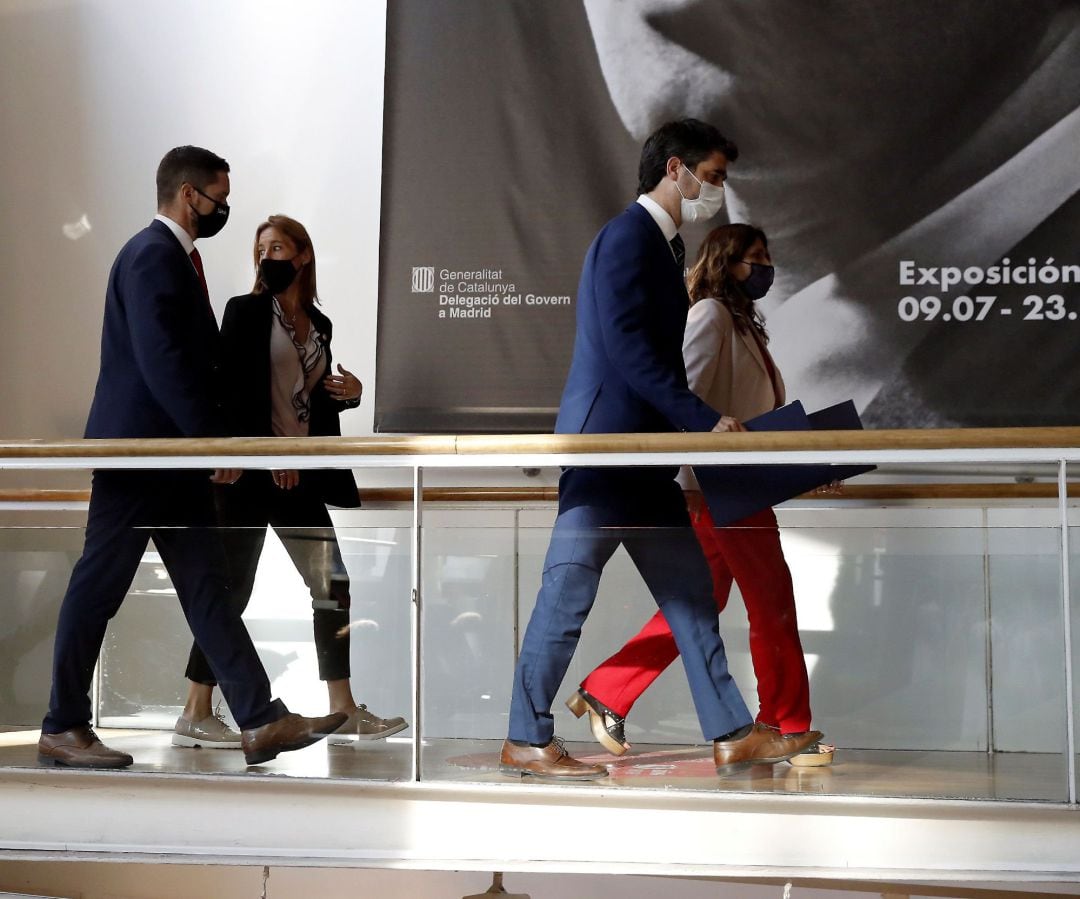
627 373
159 345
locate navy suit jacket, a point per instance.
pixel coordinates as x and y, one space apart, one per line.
627 373
159 345
245 345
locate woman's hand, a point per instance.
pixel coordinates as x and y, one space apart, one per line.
344 387
285 478
727 424
226 475
833 488
695 502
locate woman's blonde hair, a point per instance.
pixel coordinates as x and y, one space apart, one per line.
298 234
711 274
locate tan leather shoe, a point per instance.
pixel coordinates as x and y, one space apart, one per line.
762 746
79 747
260 744
360 724
210 733
551 761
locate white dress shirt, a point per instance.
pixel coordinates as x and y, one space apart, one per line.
179 233
662 218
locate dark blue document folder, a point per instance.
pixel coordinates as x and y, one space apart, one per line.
733 492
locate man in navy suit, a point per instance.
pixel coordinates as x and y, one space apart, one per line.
627 375
157 379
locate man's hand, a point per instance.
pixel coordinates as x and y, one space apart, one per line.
727 423
286 478
226 475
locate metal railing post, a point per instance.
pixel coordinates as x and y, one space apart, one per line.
988 638
1066 612
517 585
416 617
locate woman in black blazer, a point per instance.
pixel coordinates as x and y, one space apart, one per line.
278 382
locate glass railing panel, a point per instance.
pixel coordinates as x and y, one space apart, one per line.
932 632
139 687
905 616
1028 646
35 564
469 619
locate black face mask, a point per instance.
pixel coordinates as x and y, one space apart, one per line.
759 282
210 223
277 274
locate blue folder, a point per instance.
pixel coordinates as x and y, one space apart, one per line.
733 492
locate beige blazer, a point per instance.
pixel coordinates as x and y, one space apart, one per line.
726 368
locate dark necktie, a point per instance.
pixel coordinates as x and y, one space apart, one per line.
679 249
196 260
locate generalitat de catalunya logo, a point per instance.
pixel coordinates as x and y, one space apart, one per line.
423 279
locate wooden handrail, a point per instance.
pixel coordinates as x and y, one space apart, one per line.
49 495
941 438
551 494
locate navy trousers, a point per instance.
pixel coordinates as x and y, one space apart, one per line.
175 508
645 512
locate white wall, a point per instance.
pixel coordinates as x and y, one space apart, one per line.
94 92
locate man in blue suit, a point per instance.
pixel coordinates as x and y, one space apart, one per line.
627 375
157 379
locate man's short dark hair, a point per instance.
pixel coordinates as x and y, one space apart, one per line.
689 139
196 166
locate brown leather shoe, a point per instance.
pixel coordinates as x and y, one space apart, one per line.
551 761
79 747
260 744
762 746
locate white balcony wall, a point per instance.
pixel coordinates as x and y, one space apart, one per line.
92 95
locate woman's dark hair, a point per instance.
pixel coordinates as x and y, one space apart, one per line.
298 234
196 166
689 139
711 274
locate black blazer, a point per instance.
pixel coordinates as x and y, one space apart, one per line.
245 346
159 346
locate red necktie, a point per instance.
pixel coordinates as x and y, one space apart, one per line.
196 260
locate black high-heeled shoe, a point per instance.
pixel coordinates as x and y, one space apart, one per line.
607 727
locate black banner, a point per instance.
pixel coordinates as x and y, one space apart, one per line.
915 166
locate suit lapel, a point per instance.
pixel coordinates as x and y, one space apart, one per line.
194 285
257 354
659 239
772 374
754 348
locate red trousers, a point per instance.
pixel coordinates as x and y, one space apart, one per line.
748 552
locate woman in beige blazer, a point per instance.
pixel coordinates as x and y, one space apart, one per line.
728 365
725 344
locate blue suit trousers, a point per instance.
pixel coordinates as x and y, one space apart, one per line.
645 512
176 509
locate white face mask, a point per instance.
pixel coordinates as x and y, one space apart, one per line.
709 201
